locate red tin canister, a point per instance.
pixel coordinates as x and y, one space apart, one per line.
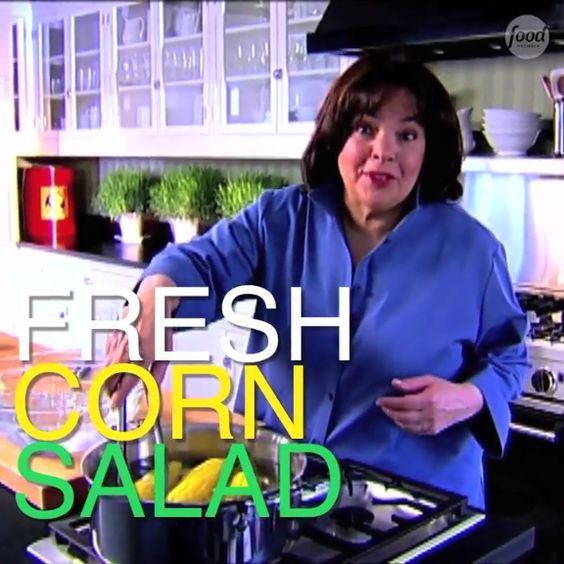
48 206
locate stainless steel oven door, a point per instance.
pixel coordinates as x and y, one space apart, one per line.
537 419
527 482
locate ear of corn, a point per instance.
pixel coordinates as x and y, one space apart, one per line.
198 485
239 480
145 485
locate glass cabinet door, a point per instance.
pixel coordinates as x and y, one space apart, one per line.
87 99
182 64
247 47
53 75
134 68
16 57
309 76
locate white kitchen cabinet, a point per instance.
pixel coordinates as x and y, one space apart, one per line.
18 72
184 65
267 82
26 125
127 66
306 78
198 78
160 72
245 54
72 68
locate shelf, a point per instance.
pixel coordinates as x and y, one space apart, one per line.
247 28
133 46
533 165
182 38
133 87
247 77
313 72
84 54
54 59
189 82
80 93
304 21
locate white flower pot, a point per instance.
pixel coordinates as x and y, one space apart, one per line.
131 228
183 230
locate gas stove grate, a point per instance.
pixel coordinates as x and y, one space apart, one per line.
74 535
545 314
378 515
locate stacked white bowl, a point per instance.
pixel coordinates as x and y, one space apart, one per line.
510 132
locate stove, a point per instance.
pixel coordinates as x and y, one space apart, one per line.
379 517
522 484
545 343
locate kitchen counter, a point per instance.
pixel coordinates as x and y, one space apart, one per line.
97 239
137 256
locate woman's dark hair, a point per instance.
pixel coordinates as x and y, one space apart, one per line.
359 91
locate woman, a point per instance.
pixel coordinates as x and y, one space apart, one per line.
437 335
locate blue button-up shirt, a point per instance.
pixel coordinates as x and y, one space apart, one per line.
434 298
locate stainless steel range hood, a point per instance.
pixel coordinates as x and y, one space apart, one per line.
430 30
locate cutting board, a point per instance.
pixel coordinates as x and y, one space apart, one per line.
9 451
47 497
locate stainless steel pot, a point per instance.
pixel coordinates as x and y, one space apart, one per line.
236 535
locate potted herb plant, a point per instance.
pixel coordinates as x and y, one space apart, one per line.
185 197
123 196
244 189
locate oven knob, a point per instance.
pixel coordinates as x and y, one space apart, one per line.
544 381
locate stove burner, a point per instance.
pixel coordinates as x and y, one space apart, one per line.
352 516
545 314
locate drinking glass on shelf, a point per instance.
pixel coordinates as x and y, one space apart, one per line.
56 86
95 78
135 70
239 62
146 68
264 57
127 71
200 62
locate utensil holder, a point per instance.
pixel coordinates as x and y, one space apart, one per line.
559 128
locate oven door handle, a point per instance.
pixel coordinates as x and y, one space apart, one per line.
532 432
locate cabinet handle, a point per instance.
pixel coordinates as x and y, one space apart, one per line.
68 92
277 74
87 281
156 84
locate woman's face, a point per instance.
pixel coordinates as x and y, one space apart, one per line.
381 160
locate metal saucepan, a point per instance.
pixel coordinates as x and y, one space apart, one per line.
236 534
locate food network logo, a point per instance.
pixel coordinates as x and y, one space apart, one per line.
527 37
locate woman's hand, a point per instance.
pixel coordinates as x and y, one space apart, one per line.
431 404
117 349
